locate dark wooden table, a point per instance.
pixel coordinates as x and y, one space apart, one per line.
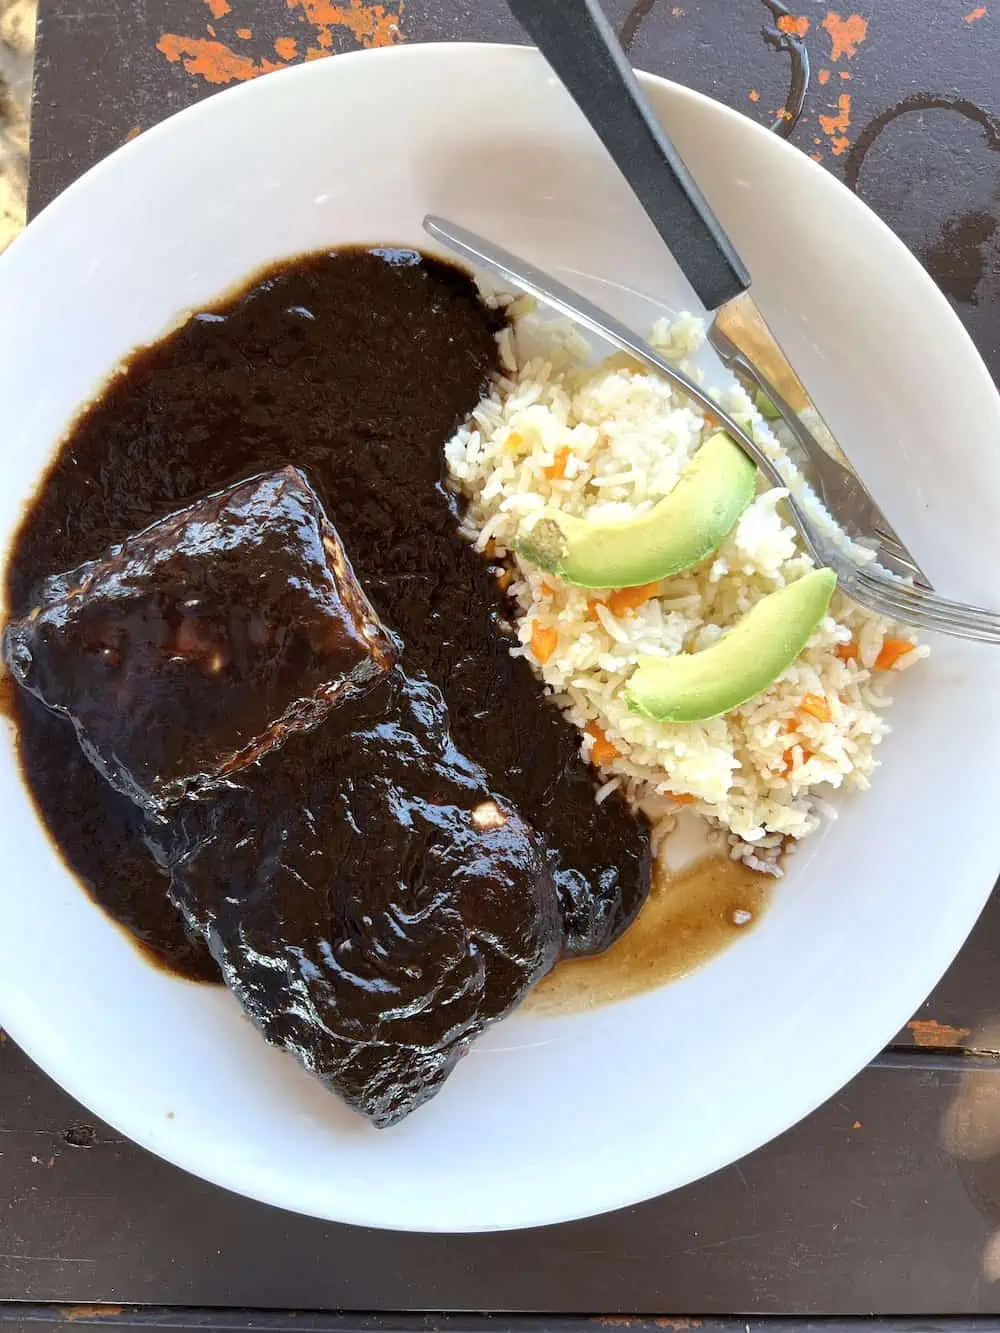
888 1199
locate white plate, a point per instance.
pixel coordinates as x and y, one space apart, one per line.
548 1119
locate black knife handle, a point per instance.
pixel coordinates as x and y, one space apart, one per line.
580 45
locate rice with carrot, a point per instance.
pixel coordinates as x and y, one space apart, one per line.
609 441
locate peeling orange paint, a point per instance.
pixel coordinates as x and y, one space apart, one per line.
975 15
842 120
929 1032
133 133
797 27
846 74
816 157
370 24
856 1125
846 34
212 61
824 76
835 127
754 95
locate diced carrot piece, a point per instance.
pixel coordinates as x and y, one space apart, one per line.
682 797
557 470
548 589
592 604
892 651
816 706
543 641
847 652
602 751
630 599
789 758
710 421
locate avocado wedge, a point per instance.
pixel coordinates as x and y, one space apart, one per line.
695 686
765 407
686 525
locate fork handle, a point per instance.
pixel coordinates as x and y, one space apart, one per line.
578 42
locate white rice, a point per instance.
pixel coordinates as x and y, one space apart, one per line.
624 436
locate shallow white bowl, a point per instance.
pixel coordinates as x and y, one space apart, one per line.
548 1119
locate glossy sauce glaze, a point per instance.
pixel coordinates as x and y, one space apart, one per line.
354 367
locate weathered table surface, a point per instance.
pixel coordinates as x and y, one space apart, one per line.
888 1199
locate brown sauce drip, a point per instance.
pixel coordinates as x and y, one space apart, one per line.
7 692
687 920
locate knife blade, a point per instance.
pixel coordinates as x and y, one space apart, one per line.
745 344
578 42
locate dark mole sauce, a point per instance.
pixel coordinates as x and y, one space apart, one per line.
355 367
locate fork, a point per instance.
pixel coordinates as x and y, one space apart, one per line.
866 582
822 462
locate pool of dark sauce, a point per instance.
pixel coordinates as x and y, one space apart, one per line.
356 367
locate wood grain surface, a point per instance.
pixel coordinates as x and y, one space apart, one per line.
887 1199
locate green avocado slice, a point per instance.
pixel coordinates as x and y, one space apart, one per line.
695 686
765 407
688 524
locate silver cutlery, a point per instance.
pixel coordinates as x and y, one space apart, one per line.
816 453
580 45
865 582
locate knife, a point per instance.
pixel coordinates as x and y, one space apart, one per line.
579 43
